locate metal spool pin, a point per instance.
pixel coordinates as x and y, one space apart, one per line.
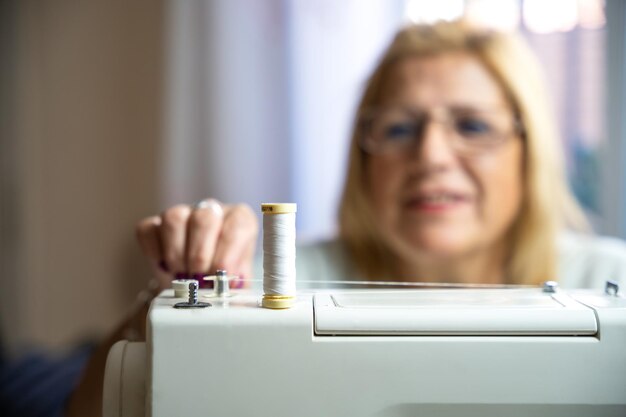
192 302
222 284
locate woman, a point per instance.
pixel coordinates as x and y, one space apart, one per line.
483 195
455 175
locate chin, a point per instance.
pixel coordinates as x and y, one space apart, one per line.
438 246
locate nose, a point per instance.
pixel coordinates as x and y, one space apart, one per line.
434 151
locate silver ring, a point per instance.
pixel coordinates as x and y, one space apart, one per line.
209 203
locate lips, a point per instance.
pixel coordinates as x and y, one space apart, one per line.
437 200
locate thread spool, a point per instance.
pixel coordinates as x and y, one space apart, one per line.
181 287
279 255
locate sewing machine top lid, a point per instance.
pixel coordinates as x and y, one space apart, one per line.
452 312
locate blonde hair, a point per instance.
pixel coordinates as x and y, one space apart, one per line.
548 204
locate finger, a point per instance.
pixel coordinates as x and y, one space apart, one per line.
204 226
245 266
239 231
173 234
247 260
147 232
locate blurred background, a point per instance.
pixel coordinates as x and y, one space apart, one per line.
112 110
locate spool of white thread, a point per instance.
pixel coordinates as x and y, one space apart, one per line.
279 255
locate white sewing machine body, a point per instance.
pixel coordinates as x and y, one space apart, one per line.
459 352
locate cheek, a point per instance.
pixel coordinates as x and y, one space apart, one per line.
502 190
382 184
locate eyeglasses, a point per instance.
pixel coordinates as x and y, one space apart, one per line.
393 130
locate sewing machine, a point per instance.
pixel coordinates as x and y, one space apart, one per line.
417 352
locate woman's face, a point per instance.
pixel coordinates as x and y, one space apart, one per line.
445 194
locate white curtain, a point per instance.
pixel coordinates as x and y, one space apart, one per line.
261 96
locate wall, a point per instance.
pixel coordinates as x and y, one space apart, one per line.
85 144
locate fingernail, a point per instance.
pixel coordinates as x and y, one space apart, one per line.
239 283
163 266
181 275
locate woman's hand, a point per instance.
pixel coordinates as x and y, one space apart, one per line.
198 240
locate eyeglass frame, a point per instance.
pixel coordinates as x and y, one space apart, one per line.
517 128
